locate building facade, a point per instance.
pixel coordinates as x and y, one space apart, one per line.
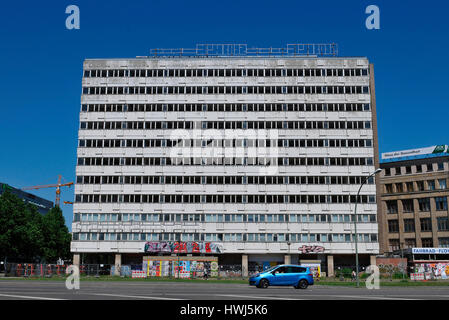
254 159
413 207
43 205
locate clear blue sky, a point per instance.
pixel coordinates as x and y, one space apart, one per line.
41 69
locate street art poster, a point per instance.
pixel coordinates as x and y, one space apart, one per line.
315 268
182 247
438 270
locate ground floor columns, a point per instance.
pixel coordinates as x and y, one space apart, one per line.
118 264
287 259
372 260
330 266
244 265
76 259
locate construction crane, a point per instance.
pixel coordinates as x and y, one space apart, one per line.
57 186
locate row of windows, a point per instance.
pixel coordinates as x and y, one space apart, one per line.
245 161
227 90
155 125
394 244
142 73
197 217
220 180
220 198
225 237
228 107
427 167
231 143
425 225
413 186
408 205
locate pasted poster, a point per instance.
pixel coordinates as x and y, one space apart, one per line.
315 268
439 270
182 247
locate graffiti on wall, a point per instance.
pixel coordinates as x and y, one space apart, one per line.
183 247
311 249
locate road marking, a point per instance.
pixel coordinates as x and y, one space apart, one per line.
27 297
127 296
373 297
254 297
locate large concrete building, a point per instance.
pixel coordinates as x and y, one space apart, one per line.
251 155
414 192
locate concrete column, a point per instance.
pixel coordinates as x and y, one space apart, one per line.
287 259
372 260
244 265
330 266
118 264
76 259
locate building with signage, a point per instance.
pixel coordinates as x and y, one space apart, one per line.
43 205
252 155
413 211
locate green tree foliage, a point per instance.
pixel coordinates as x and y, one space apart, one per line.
27 236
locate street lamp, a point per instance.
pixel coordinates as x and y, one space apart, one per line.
355 224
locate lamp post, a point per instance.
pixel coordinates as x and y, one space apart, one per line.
355 224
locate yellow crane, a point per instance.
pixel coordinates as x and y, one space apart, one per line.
57 186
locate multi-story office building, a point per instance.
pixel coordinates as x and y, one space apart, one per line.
43 205
414 194
251 155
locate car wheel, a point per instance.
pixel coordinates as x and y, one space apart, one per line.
302 284
263 284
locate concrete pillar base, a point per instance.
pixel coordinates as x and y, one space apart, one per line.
330 266
118 264
287 259
76 259
244 265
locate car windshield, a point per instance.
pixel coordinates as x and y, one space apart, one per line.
271 269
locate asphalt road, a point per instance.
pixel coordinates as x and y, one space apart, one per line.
121 290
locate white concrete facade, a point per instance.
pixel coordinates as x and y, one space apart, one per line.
203 231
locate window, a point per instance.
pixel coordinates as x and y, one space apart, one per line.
409 225
392 206
442 183
427 243
387 171
394 244
443 242
440 166
398 171
409 186
429 167
410 243
389 188
407 206
443 224
431 185
420 185
399 188
426 224
424 204
441 203
393 226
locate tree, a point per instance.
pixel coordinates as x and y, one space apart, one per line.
27 236
56 236
20 229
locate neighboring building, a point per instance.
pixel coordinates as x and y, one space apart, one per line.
413 212
43 206
299 135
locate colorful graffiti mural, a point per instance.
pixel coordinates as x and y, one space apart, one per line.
311 249
183 247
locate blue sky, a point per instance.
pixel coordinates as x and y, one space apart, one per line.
41 68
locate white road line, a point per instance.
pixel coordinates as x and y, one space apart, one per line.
254 297
372 297
27 297
127 296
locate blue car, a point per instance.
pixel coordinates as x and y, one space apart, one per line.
283 275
